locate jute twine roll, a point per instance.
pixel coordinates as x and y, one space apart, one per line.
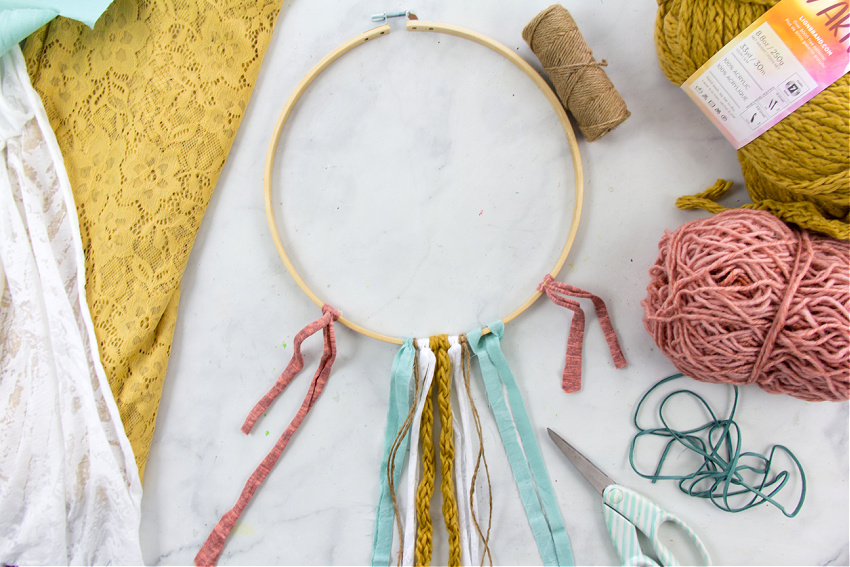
583 87
798 170
742 298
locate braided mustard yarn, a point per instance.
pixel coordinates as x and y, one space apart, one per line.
742 298
443 379
799 170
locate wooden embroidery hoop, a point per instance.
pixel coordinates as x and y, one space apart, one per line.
417 25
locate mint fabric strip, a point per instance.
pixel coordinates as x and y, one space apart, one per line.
399 406
86 11
527 465
545 490
20 18
516 456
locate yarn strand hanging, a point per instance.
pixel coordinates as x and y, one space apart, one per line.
425 491
467 467
559 293
212 548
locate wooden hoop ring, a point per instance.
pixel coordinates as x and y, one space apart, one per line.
418 25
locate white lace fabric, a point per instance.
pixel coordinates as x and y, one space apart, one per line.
69 487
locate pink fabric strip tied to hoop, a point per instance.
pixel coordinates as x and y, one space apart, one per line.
560 293
212 548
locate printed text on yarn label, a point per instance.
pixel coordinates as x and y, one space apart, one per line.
794 51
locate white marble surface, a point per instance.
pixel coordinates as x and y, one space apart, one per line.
427 189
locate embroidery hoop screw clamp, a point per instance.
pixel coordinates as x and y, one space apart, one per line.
387 15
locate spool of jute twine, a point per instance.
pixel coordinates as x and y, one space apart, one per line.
579 80
743 298
799 170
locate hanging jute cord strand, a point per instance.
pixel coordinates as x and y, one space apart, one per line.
397 442
480 458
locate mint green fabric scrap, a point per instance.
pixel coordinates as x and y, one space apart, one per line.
20 18
526 461
399 407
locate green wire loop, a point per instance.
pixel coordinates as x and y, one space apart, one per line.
721 474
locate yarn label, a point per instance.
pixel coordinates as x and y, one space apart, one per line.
784 58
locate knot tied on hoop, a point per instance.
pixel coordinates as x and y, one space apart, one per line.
560 293
296 364
212 548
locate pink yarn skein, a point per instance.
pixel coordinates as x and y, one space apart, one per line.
743 298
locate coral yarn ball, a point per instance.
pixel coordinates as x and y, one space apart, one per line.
742 298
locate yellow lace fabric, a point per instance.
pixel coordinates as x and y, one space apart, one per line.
145 107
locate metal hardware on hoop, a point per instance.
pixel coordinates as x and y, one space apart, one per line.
387 15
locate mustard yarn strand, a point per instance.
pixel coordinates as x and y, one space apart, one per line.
424 531
443 379
706 199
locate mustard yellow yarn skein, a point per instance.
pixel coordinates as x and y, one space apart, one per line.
799 170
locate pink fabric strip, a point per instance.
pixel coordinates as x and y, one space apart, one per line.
558 292
212 548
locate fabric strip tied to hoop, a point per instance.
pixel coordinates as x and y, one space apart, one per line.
212 548
559 293
399 407
527 465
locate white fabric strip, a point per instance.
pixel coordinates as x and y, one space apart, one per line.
71 491
427 362
465 464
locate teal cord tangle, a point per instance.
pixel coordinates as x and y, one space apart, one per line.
725 473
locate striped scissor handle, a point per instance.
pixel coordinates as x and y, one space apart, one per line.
626 512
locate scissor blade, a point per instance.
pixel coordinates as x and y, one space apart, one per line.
598 479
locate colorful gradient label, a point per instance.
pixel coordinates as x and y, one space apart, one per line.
794 51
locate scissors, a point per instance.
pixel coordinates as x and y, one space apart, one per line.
626 512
